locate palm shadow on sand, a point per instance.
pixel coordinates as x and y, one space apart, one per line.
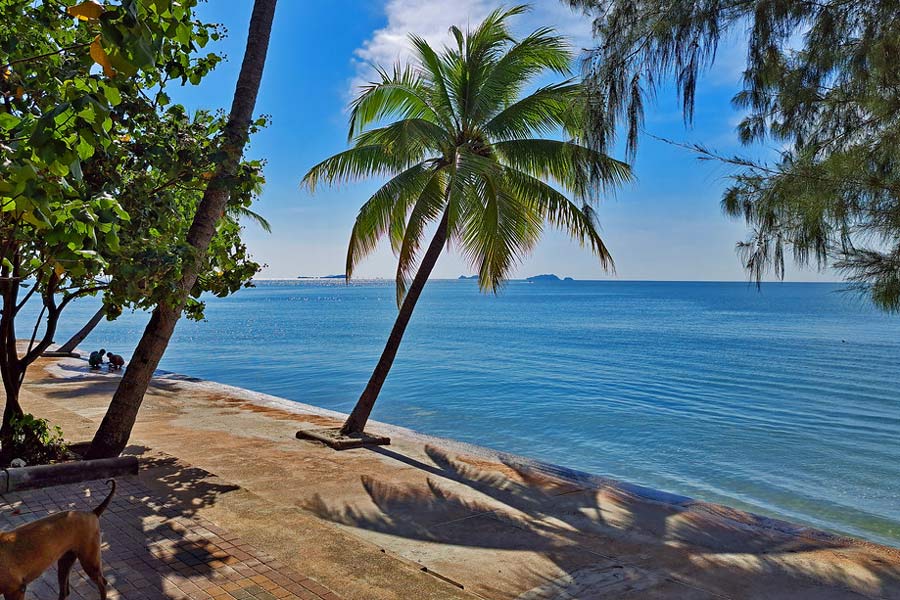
600 539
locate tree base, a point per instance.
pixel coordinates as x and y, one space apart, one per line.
333 438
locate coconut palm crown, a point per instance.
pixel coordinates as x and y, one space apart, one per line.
463 146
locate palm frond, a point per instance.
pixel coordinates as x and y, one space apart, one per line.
543 112
569 164
469 171
578 222
354 164
436 68
479 51
407 137
535 54
402 94
498 229
376 215
245 213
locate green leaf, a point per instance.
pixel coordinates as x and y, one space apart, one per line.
84 148
75 170
8 121
112 94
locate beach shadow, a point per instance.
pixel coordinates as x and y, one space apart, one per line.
598 537
183 488
102 381
153 542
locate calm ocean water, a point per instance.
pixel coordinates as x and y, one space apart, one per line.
785 402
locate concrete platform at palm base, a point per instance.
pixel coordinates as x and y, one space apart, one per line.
430 518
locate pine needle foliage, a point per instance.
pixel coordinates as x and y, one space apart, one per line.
822 81
454 133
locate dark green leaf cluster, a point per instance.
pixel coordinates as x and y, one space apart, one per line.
36 442
822 80
456 136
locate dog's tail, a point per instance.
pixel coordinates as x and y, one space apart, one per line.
99 510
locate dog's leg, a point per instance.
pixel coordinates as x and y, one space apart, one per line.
95 572
90 562
63 568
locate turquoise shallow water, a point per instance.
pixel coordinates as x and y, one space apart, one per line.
785 402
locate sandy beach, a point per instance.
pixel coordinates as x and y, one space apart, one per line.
432 518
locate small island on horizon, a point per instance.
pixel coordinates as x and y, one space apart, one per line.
534 278
340 276
547 277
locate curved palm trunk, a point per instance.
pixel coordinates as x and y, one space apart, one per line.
357 420
114 431
83 332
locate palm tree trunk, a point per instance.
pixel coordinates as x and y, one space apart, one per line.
112 436
357 420
83 332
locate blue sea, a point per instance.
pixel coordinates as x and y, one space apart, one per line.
784 401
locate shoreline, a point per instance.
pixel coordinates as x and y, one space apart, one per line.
601 382
614 520
574 476
570 474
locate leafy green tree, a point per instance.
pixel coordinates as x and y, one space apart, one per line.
226 182
821 80
57 112
468 152
90 183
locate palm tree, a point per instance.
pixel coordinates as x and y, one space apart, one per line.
468 151
115 429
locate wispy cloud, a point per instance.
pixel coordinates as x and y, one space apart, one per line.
431 20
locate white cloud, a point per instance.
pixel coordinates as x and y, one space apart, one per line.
431 19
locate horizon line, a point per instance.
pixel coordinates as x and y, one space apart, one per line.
749 282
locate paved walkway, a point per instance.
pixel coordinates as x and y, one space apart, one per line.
152 552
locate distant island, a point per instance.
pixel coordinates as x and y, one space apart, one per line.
544 277
341 276
469 277
547 277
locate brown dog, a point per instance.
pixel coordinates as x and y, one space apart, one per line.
27 551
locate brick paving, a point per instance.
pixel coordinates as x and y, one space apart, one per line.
151 550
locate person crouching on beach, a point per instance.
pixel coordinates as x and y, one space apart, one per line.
95 360
116 361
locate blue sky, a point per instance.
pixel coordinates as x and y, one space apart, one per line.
666 226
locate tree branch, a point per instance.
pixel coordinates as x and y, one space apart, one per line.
45 55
